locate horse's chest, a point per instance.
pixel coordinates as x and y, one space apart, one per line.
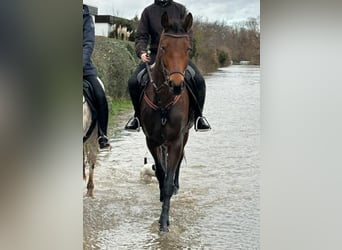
160 133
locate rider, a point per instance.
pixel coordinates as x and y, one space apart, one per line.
149 29
90 75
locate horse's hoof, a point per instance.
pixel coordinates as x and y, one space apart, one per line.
90 194
163 229
167 223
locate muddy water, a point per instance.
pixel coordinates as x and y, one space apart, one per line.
217 206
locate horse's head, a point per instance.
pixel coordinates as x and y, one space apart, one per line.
174 48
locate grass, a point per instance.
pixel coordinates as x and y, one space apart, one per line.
118 106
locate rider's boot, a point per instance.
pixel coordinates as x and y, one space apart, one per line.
201 123
102 122
133 123
103 142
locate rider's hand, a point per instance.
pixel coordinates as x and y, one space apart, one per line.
145 57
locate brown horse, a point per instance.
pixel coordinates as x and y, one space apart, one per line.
165 116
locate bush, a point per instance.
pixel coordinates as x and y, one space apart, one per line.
115 63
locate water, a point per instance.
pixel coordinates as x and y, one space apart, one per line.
217 206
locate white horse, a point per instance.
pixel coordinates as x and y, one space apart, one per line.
113 30
90 146
119 32
128 34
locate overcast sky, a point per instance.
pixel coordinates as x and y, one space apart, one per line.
211 10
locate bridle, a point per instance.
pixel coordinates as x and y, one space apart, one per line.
167 73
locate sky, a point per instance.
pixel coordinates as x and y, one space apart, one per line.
228 11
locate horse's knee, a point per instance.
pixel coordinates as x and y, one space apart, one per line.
167 191
90 184
90 188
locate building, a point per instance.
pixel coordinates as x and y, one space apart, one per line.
104 25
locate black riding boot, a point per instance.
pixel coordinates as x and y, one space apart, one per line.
133 124
103 142
101 107
135 91
102 125
198 88
201 123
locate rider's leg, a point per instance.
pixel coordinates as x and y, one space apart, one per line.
135 91
201 123
102 110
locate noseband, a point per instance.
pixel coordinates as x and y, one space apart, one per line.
168 73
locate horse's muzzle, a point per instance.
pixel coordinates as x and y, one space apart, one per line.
177 89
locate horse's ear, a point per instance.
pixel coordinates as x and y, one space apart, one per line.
165 20
188 22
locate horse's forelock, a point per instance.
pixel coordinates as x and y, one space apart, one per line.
175 27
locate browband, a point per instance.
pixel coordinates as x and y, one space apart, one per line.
176 35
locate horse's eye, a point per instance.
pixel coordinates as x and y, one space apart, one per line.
162 49
190 49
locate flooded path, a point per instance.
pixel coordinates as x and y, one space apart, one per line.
217 206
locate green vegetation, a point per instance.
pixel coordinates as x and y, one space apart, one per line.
218 45
115 63
120 105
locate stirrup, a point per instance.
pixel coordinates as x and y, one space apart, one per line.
205 120
130 121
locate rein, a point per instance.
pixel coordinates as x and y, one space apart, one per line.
163 110
156 107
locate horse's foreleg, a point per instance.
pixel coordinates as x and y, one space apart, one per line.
174 155
160 174
176 188
176 181
90 185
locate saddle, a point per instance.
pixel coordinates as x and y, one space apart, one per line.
88 93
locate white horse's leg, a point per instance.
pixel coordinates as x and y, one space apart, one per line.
90 185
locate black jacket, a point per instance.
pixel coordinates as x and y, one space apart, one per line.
150 27
88 42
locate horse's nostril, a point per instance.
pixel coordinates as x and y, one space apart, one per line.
177 89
